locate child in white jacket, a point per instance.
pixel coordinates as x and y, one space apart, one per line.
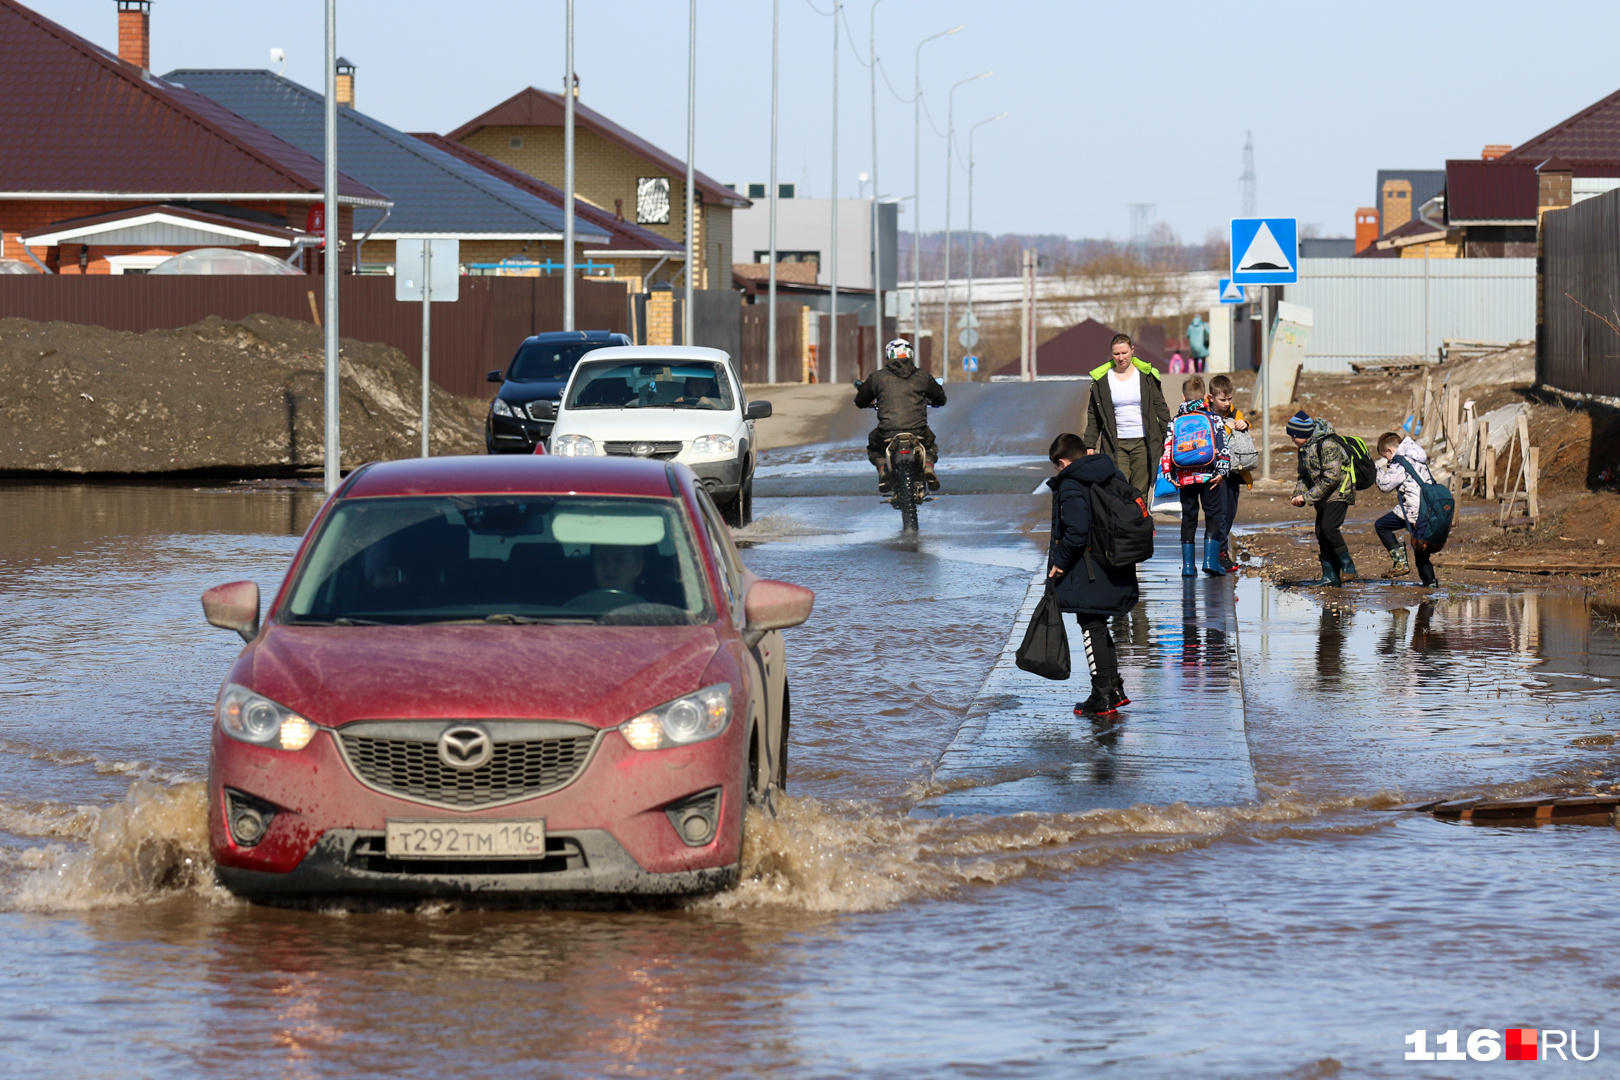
1392 476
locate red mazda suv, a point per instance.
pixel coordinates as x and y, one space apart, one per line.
498 677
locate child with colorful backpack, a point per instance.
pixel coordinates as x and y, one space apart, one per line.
1403 468
1245 456
1196 460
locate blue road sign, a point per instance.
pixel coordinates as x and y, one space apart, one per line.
970 363
1265 251
1231 293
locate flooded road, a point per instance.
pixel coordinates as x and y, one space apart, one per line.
965 880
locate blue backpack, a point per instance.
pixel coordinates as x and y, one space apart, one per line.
1192 441
1436 506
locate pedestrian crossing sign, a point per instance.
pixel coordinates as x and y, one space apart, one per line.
1231 292
1265 251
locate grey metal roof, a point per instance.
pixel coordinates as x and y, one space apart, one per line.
433 192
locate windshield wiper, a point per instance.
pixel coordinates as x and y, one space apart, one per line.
504 618
341 621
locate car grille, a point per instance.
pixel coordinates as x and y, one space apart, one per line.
542 410
518 769
663 451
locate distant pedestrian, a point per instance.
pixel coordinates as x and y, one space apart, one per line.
1220 404
1195 459
1326 482
1198 342
1178 366
1393 476
1127 415
1092 588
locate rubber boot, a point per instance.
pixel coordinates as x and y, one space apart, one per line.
1100 703
1330 576
1427 575
1347 565
1212 557
883 479
1118 697
929 475
1397 561
1189 564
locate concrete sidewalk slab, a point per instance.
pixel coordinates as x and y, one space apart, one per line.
1180 740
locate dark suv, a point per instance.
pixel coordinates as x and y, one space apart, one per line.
523 410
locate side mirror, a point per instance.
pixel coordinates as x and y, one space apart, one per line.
494 376
543 410
757 410
776 605
234 607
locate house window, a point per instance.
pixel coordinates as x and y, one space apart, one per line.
813 257
134 264
756 191
515 142
652 200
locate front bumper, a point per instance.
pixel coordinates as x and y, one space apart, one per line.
579 863
511 435
607 828
722 479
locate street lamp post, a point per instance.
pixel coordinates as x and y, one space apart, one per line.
832 321
330 239
691 151
950 138
972 239
770 317
916 191
877 248
568 178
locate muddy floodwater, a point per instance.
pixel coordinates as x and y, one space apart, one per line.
964 880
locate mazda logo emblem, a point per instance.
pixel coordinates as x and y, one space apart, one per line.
465 747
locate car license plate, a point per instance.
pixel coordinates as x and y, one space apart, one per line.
465 839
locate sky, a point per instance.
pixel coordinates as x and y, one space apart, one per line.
1109 104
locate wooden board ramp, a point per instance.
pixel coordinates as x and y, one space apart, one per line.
1544 810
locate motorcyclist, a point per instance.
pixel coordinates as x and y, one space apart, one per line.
902 394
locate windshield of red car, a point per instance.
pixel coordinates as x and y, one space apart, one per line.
502 559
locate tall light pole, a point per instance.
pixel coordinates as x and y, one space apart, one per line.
950 140
916 189
877 241
568 178
832 353
330 239
972 237
691 151
770 316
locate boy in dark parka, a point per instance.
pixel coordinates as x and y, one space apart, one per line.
1087 586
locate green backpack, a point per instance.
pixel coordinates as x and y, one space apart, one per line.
1362 473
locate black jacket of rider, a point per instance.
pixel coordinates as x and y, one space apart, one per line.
902 394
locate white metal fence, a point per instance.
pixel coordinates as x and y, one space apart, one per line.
1378 309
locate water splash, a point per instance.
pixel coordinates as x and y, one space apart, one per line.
152 844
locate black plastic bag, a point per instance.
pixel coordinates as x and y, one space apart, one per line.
1045 651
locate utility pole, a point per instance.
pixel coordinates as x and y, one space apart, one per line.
916 192
770 316
568 186
972 238
1247 180
877 241
691 152
1265 382
427 327
832 353
950 148
330 239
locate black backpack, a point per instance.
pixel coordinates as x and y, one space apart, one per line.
1362 472
1436 505
1121 523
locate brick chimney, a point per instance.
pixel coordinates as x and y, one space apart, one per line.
1493 151
135 33
345 83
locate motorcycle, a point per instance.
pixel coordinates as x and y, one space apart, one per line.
908 487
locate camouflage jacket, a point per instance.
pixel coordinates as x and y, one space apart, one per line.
1324 468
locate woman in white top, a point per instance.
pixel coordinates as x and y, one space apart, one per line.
1127 415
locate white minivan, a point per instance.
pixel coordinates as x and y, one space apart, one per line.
671 402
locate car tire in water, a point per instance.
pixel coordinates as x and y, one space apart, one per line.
782 751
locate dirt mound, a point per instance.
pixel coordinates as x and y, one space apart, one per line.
242 397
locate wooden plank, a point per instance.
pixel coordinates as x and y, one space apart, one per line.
1529 568
1531 497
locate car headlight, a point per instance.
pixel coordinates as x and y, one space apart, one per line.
254 718
573 446
709 445
688 719
501 408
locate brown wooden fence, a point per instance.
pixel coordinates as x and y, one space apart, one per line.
754 356
476 334
1578 346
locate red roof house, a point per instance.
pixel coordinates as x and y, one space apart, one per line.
109 169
